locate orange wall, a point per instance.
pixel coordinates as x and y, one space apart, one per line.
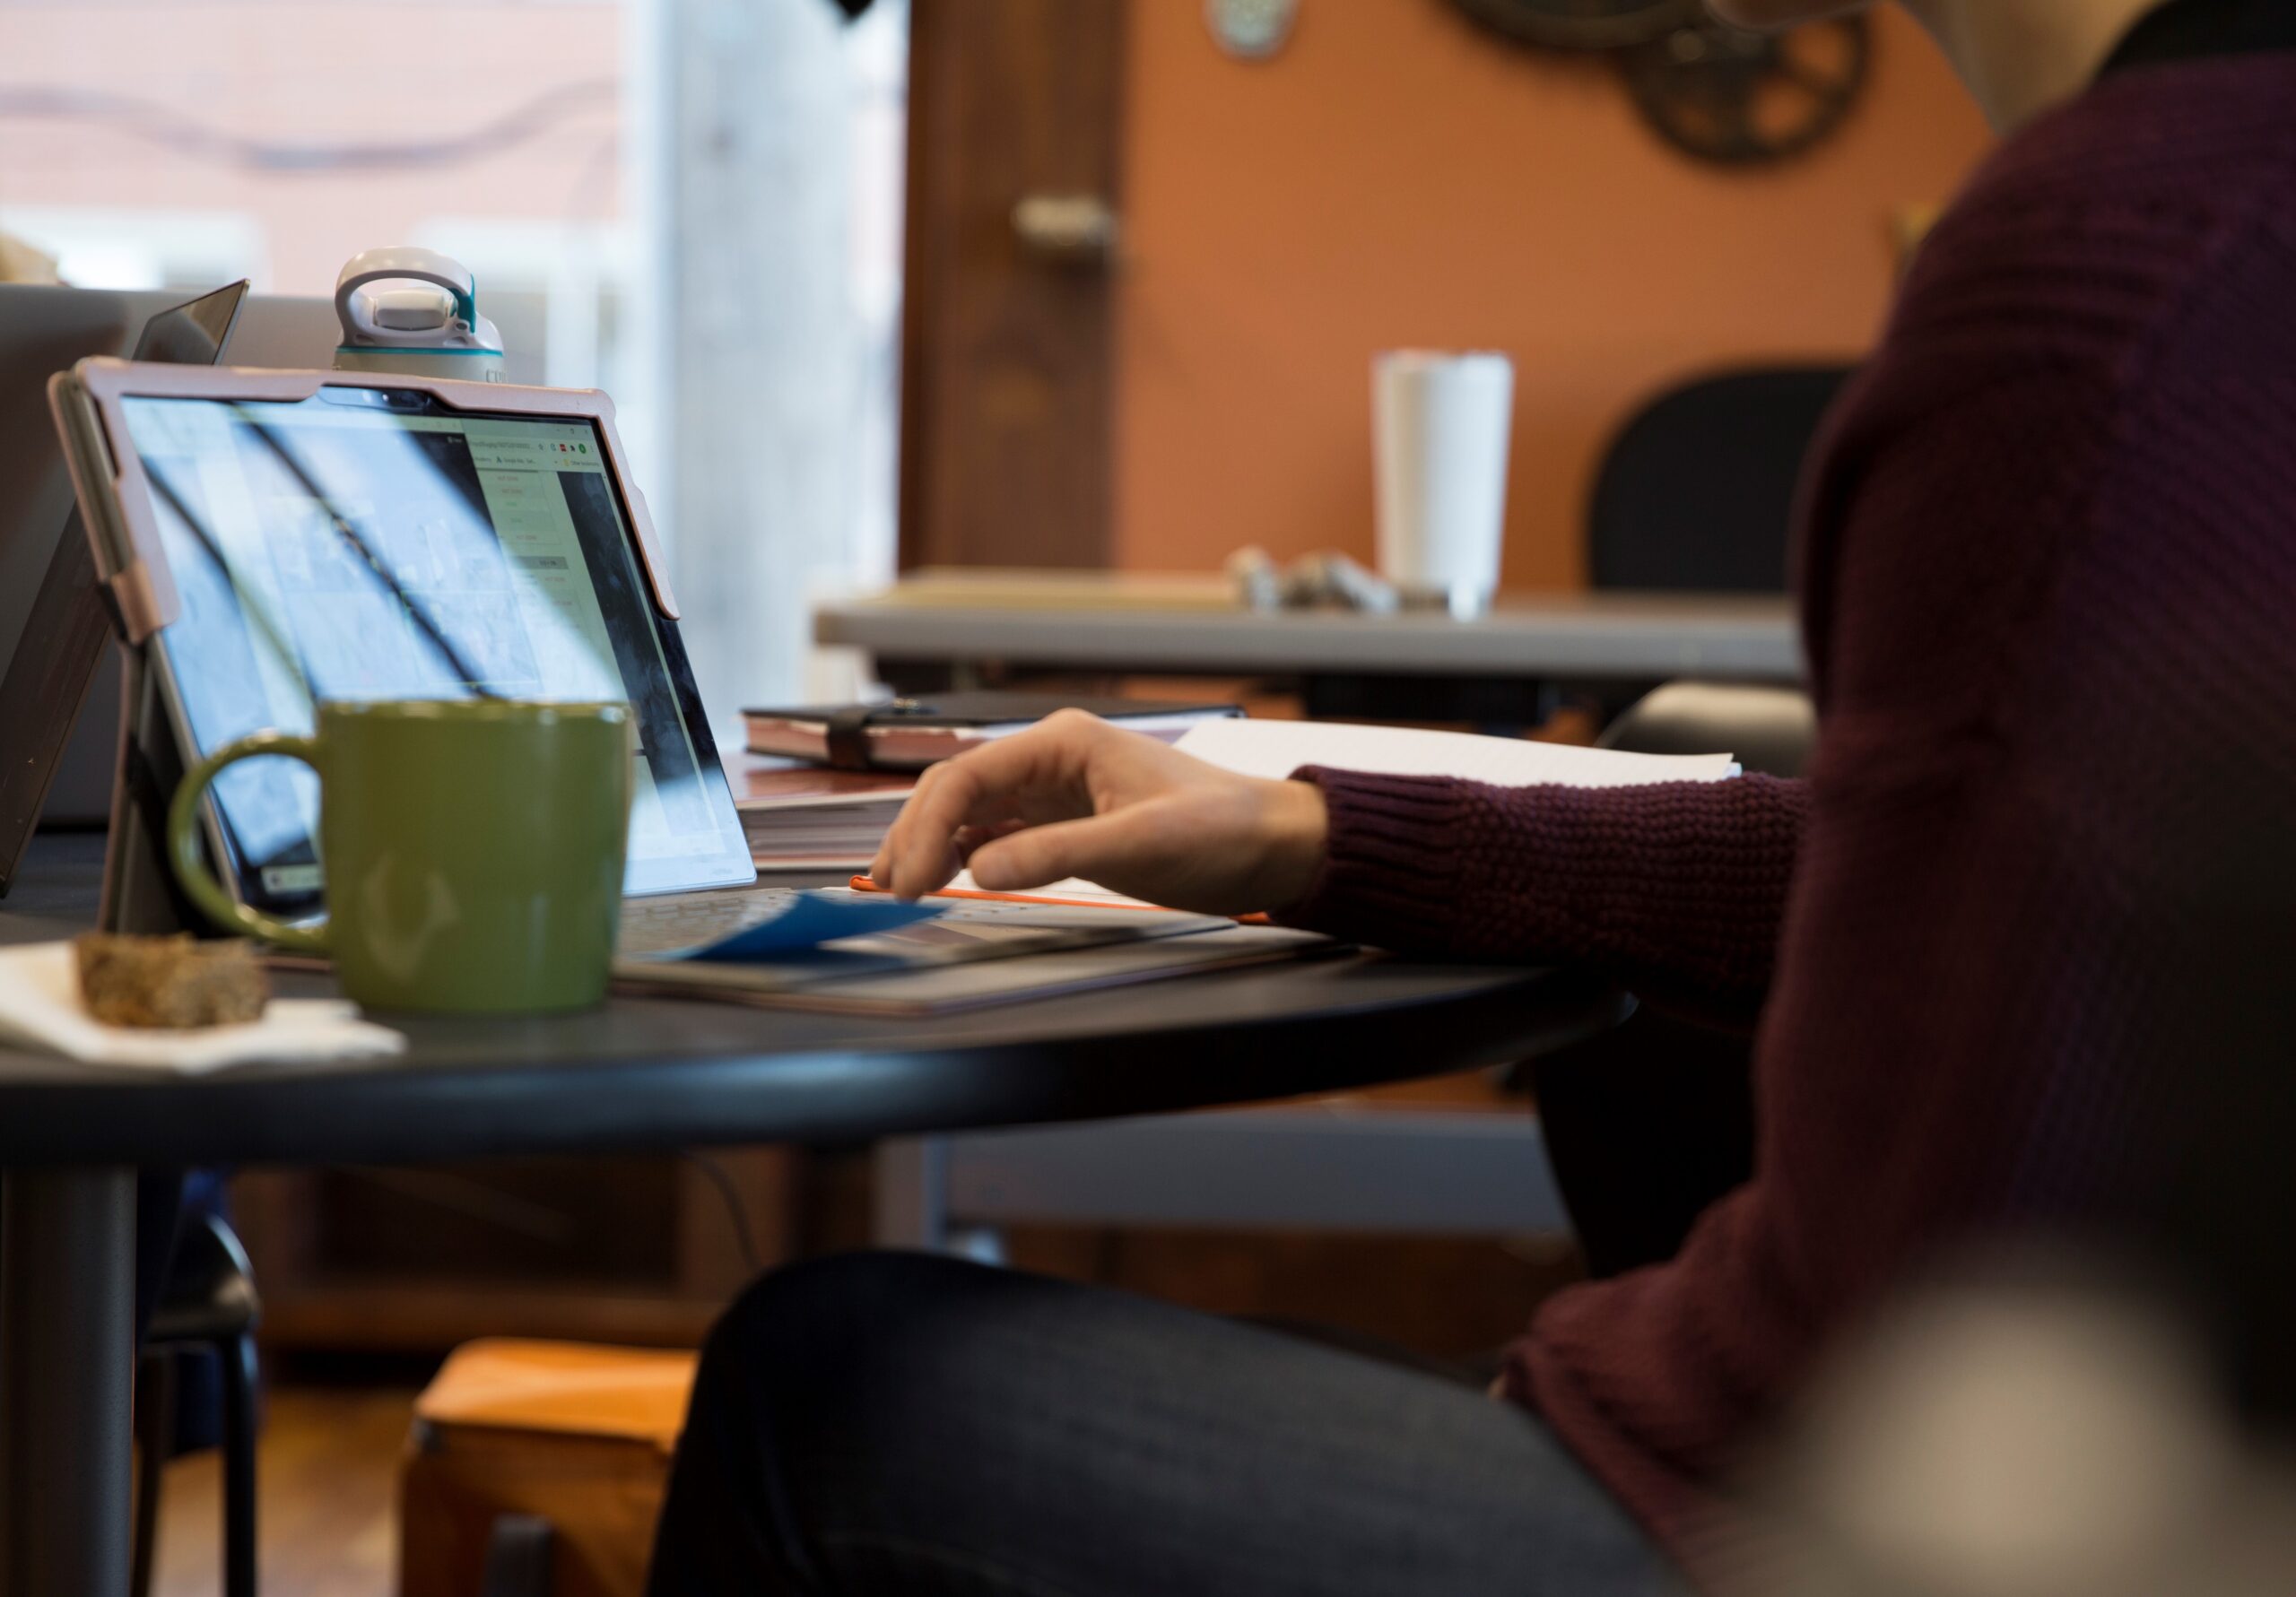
1397 177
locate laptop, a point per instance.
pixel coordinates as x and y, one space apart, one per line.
44 328
59 686
281 537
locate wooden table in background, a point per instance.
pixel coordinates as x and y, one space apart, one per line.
941 628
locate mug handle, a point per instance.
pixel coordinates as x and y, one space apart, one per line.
190 862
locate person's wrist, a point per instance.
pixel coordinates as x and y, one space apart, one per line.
1299 824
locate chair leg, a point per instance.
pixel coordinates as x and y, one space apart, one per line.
518 1557
237 1359
155 1439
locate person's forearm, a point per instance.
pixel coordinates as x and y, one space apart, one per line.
1680 886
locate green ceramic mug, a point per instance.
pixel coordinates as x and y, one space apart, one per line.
473 849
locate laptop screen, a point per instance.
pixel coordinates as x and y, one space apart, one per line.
368 543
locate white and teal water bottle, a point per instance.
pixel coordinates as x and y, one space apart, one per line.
413 311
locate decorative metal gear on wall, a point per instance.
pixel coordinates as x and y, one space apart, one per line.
1725 95
1716 92
1583 24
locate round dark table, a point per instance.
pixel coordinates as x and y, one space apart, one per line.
640 1074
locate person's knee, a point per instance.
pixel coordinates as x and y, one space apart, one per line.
814 1340
831 1297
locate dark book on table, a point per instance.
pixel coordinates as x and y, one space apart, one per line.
908 735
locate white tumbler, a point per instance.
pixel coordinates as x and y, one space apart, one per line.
1440 425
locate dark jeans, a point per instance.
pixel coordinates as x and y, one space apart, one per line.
893 1423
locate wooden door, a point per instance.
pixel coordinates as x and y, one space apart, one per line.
1007 385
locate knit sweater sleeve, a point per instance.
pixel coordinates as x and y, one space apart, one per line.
1680 886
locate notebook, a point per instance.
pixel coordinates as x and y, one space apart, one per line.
970 956
1275 748
798 816
911 734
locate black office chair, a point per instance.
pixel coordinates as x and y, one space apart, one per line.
1696 493
1771 730
1647 1125
209 1303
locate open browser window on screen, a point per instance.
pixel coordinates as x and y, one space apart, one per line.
474 554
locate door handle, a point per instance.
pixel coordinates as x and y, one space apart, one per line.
1069 230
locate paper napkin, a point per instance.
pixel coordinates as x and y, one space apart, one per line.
42 1011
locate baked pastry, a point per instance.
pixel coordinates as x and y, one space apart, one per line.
169 983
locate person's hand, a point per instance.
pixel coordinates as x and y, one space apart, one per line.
1075 796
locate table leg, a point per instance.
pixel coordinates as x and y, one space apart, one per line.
67 1252
911 1177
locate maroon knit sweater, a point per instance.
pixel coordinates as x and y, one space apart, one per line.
2048 583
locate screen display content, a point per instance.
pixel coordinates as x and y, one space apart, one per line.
368 543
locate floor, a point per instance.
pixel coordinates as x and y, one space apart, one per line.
329 1477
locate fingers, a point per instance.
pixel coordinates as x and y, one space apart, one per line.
981 788
907 862
1098 848
972 838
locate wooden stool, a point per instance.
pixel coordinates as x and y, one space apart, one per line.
536 1469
